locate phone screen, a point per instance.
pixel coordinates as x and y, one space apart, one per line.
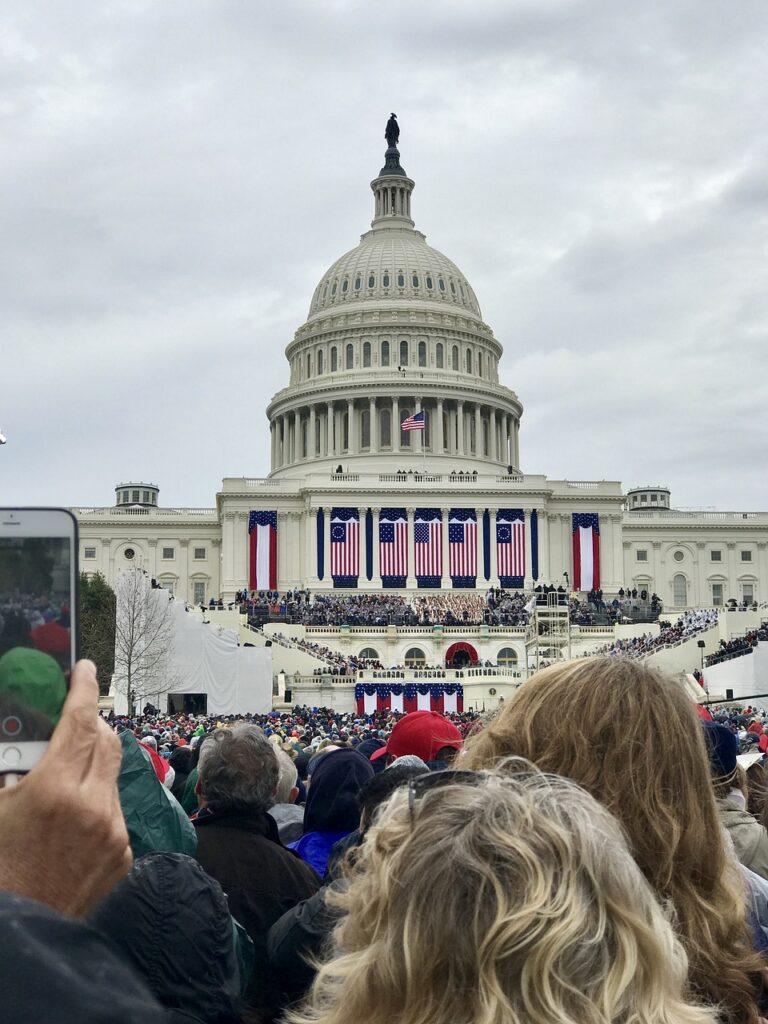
36 641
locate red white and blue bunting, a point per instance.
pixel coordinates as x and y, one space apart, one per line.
445 698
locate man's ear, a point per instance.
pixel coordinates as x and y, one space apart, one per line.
292 796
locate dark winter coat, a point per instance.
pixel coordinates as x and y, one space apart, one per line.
261 879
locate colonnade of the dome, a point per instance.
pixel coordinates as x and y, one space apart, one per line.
339 428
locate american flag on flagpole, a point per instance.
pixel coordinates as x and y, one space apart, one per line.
393 543
345 543
510 543
416 422
428 546
462 547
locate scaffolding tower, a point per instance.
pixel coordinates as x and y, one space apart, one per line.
548 634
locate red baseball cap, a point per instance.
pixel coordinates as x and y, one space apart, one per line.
423 733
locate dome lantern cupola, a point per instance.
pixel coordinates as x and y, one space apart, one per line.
392 189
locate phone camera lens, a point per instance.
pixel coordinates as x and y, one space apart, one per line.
11 725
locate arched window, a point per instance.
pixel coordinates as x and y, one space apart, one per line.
439 355
479 364
319 360
385 353
350 356
455 358
334 359
333 289
385 279
429 282
344 286
414 657
365 428
369 654
371 280
403 352
366 353
405 435
422 353
401 280
358 283
385 428
507 656
679 590
468 360
415 280
441 284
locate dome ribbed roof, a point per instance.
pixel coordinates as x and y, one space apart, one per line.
390 265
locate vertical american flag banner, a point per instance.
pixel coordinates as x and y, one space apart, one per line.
393 547
586 550
262 555
510 546
428 547
345 546
462 547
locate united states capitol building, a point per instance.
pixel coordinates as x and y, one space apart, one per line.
395 330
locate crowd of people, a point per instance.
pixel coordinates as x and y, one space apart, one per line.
324 868
739 645
690 624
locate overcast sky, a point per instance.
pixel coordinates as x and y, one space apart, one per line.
177 175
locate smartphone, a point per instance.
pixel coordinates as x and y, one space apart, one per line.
38 634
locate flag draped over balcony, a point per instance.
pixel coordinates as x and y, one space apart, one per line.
586 550
262 562
402 698
345 547
428 547
462 547
393 547
510 546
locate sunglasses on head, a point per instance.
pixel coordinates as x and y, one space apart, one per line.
435 780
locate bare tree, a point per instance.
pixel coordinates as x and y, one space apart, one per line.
143 639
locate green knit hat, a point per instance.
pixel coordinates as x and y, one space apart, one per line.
34 680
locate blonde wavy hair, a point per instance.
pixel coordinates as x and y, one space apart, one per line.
629 735
511 901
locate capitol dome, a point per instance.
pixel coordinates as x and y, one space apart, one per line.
394 330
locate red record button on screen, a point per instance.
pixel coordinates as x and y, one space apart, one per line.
11 726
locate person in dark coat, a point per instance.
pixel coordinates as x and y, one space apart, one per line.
239 846
191 968
332 810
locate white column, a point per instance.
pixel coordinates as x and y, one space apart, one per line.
310 574
374 426
517 444
438 441
329 430
297 454
228 554
460 450
410 581
396 424
528 580
241 551
446 577
544 571
494 580
273 444
492 439
376 582
311 431
478 430
418 445
351 428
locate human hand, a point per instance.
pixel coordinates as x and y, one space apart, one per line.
63 840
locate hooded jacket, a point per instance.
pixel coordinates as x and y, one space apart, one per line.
332 810
749 837
171 923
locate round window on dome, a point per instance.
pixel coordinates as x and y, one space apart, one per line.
429 282
129 553
441 284
385 280
371 281
415 280
401 280
358 283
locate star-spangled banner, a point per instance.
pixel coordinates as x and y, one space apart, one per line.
462 547
510 547
393 547
428 547
345 546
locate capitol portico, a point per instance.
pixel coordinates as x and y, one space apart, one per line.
395 330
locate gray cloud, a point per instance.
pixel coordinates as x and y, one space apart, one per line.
176 177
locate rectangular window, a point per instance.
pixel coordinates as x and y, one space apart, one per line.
654 497
715 556
641 555
134 496
199 553
199 592
145 497
717 594
748 592
89 552
169 553
167 585
746 556
643 497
